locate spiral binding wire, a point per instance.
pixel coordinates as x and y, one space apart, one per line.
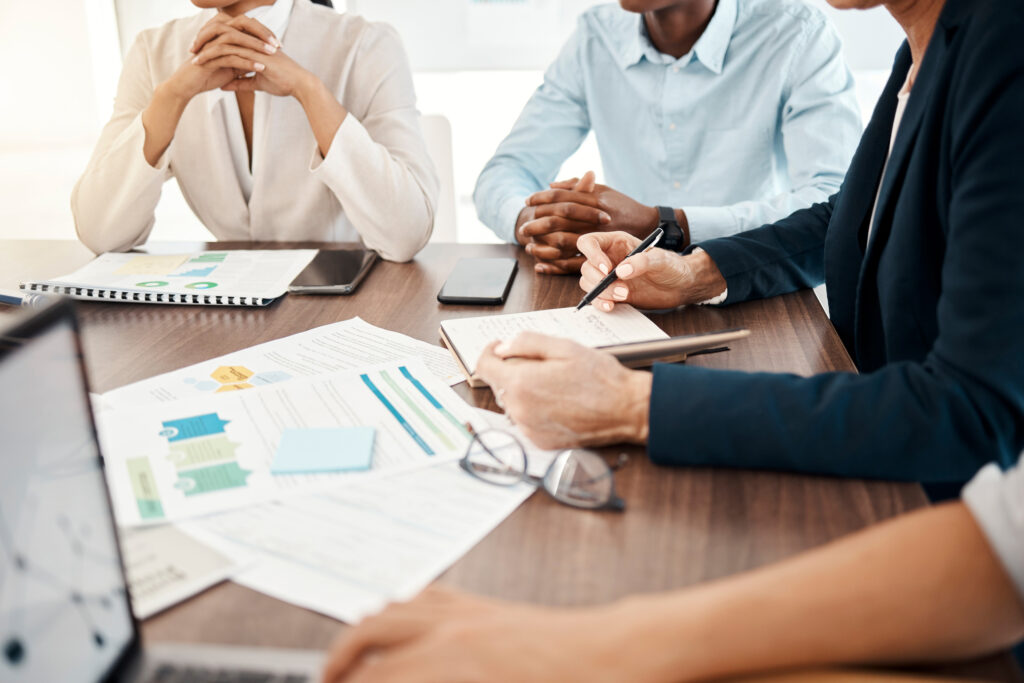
93 294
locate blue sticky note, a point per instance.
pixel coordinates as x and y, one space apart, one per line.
311 451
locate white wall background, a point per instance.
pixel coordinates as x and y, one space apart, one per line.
62 63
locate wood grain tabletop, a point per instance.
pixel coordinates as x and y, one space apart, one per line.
682 526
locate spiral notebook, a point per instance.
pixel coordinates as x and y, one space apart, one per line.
207 278
626 333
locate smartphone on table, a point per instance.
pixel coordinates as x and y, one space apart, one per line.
479 281
336 271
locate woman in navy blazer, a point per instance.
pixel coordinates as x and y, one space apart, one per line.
930 306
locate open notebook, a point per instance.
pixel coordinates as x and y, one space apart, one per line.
208 278
625 332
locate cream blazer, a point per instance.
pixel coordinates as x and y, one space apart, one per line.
377 182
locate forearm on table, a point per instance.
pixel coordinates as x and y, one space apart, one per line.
160 119
923 587
324 112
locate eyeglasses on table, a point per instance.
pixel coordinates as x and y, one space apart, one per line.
577 477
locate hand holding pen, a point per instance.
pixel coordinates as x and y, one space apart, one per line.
594 290
657 279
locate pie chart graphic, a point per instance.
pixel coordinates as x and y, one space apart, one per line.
201 285
152 283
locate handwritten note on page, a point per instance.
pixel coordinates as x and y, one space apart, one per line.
589 327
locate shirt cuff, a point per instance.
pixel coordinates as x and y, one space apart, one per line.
996 499
709 222
349 134
508 216
715 300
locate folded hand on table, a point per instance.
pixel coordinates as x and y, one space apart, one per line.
655 280
446 636
554 219
565 395
549 229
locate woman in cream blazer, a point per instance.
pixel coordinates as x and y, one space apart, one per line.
292 123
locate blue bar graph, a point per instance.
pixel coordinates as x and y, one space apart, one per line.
397 415
433 401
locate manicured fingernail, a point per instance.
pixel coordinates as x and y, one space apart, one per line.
606 305
501 349
625 270
603 268
605 218
195 60
258 67
275 42
620 293
270 49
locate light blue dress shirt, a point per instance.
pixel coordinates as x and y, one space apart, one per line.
758 120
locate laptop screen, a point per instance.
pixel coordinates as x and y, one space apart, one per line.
64 611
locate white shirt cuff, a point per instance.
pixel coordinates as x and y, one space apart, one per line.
508 216
709 222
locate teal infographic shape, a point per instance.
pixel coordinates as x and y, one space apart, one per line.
192 427
214 478
152 283
196 272
197 452
211 257
201 285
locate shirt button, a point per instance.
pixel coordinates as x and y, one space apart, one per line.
671 126
675 69
676 184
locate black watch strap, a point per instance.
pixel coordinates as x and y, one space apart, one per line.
674 238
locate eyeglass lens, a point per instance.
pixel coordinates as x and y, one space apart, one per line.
580 478
496 457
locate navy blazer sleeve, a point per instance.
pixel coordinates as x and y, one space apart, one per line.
936 419
774 259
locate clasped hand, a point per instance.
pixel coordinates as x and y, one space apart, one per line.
228 48
554 219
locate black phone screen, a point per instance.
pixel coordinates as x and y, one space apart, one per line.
479 281
335 271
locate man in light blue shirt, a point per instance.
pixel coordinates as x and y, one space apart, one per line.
754 118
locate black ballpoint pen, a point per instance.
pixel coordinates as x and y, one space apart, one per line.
611 277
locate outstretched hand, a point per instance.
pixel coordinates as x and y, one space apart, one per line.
447 636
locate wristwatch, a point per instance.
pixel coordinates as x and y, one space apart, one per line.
675 237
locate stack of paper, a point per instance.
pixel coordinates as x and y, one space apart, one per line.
352 541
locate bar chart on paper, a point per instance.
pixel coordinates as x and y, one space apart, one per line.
172 461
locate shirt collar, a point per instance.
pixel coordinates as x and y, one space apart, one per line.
709 49
276 18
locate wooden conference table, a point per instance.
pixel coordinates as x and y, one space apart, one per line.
682 526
